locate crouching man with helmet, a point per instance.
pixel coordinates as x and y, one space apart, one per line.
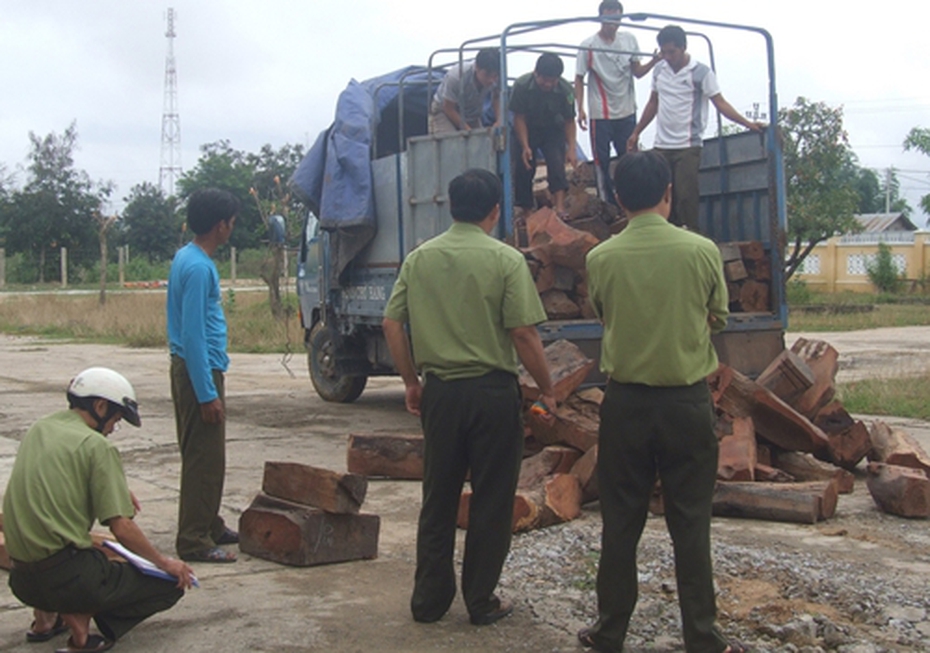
67 474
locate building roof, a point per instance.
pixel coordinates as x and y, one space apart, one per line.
880 222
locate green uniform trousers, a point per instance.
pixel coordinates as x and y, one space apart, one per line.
117 594
686 196
203 464
469 425
644 431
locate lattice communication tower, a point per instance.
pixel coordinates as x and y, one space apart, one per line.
170 168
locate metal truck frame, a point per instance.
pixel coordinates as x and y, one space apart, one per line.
742 198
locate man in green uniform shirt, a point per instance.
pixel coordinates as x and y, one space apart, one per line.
66 476
472 307
660 292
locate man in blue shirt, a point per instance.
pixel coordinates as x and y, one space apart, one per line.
197 339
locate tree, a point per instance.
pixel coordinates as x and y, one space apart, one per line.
919 139
875 193
820 185
56 207
149 224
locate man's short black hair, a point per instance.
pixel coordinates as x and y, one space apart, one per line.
672 34
549 65
489 59
474 194
609 5
641 179
208 206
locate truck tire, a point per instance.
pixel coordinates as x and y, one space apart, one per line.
330 386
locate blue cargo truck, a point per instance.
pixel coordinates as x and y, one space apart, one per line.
377 184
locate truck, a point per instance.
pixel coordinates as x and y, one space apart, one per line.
376 182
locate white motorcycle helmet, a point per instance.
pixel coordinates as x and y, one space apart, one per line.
106 384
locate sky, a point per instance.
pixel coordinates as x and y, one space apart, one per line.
259 72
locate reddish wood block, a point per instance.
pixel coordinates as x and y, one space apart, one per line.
313 486
392 456
898 490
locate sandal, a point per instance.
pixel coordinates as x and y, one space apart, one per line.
33 636
586 637
94 644
215 554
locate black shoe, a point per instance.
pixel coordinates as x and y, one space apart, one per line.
488 618
229 536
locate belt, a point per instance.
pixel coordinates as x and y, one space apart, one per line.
47 563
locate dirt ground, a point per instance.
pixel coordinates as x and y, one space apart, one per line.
361 606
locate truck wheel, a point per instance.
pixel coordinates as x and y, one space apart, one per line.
321 361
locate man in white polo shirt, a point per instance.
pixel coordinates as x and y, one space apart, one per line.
681 88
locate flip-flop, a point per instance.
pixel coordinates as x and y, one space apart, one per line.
33 636
94 644
215 554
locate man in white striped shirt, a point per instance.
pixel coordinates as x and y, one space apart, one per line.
681 89
610 61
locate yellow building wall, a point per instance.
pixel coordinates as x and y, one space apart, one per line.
836 266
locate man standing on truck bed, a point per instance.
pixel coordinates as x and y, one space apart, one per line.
610 62
543 108
466 343
681 88
197 339
459 101
660 292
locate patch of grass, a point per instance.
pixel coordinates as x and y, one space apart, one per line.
137 319
899 396
883 315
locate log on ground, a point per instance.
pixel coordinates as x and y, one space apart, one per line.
804 467
392 456
301 536
897 447
556 499
803 503
314 486
898 490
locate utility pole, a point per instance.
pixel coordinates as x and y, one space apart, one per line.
170 168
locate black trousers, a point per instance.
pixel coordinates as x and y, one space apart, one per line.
117 594
646 431
551 141
469 424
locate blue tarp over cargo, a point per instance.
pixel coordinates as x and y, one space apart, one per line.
335 176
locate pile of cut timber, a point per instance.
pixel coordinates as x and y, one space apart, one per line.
308 516
556 251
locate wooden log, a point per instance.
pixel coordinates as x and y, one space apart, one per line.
383 454
804 503
787 376
846 448
729 252
823 361
564 245
735 271
568 426
564 279
551 460
752 250
568 367
760 270
585 469
301 536
754 296
554 500
773 419
897 490
313 486
896 447
737 459
769 474
558 306
593 225
804 467
833 418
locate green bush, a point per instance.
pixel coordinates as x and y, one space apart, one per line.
882 272
798 292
